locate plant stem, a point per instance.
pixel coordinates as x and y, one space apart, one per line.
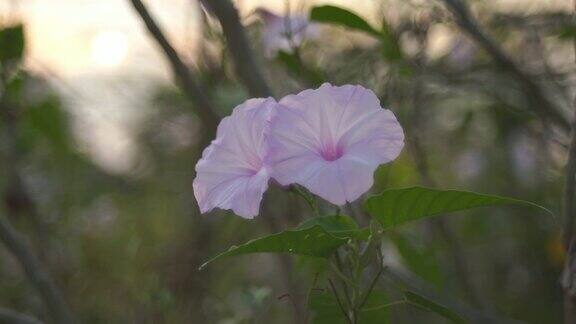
371 288
398 302
344 312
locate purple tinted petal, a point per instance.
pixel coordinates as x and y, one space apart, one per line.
331 140
232 173
278 28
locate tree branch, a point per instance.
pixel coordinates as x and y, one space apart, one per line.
14 241
569 209
246 67
568 279
416 132
18 246
187 81
13 317
541 104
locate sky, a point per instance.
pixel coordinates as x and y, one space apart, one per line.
98 55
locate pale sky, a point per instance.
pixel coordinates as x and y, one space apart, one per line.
90 49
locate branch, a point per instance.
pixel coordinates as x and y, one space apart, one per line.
187 81
246 67
14 241
18 246
569 209
10 316
541 104
416 133
568 279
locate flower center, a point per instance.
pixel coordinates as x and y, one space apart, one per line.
331 152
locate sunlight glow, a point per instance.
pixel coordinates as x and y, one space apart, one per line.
109 49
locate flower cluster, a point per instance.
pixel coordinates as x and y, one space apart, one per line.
329 140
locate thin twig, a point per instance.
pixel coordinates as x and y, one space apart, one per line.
542 105
407 281
371 288
398 302
339 302
244 60
339 271
309 294
188 83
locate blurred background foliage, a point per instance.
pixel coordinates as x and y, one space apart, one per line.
113 216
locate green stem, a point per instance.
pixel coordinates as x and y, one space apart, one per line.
339 302
371 288
398 302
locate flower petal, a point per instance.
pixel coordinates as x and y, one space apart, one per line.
343 180
232 173
284 33
331 140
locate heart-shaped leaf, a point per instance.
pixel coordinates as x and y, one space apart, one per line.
398 206
312 241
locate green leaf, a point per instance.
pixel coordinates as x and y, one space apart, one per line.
431 306
325 309
294 64
568 32
422 261
11 43
338 225
313 241
48 120
339 16
390 47
333 223
398 206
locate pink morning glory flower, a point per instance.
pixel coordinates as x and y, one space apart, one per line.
283 33
232 173
331 140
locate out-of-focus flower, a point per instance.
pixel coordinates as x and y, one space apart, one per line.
331 140
283 33
470 164
462 54
232 173
524 157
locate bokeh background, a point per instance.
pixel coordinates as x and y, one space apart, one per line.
97 157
